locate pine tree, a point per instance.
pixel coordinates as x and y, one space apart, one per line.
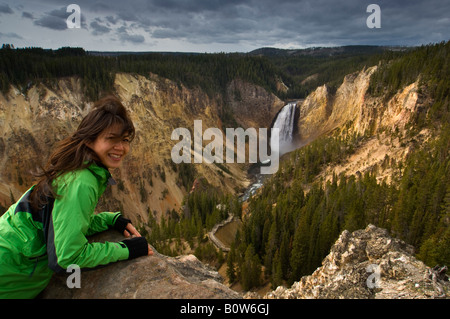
231 270
277 272
250 269
299 254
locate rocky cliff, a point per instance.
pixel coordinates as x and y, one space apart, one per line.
364 264
353 110
150 277
244 99
367 264
322 112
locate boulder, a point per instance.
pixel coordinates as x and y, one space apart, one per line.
149 277
369 264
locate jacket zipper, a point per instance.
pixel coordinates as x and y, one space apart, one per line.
35 264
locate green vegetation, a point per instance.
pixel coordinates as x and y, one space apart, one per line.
203 208
186 174
210 72
291 231
25 67
303 73
428 63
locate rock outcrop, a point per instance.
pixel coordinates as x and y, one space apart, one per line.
321 112
369 264
365 264
314 113
151 277
252 105
352 109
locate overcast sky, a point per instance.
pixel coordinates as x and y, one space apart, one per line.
221 25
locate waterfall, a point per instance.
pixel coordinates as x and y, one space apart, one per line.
285 123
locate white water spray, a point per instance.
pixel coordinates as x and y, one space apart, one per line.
285 123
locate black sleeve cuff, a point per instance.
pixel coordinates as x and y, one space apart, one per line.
121 224
137 247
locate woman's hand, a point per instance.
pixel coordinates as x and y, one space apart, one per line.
131 231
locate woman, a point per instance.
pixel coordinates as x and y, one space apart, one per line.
45 231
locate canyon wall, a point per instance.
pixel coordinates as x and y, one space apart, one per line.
148 181
351 111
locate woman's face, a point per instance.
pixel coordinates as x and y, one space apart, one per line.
111 146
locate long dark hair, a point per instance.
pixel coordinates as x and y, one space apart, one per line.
72 153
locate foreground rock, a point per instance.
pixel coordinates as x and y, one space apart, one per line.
369 264
152 277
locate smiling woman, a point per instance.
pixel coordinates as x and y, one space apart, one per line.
111 146
95 140
45 231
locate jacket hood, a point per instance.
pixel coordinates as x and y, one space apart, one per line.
102 173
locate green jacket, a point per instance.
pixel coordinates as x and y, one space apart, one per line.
33 245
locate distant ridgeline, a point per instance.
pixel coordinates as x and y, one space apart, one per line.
23 67
210 72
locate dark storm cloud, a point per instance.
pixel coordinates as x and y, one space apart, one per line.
4 8
125 36
98 28
268 21
111 19
297 23
10 35
57 19
27 15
